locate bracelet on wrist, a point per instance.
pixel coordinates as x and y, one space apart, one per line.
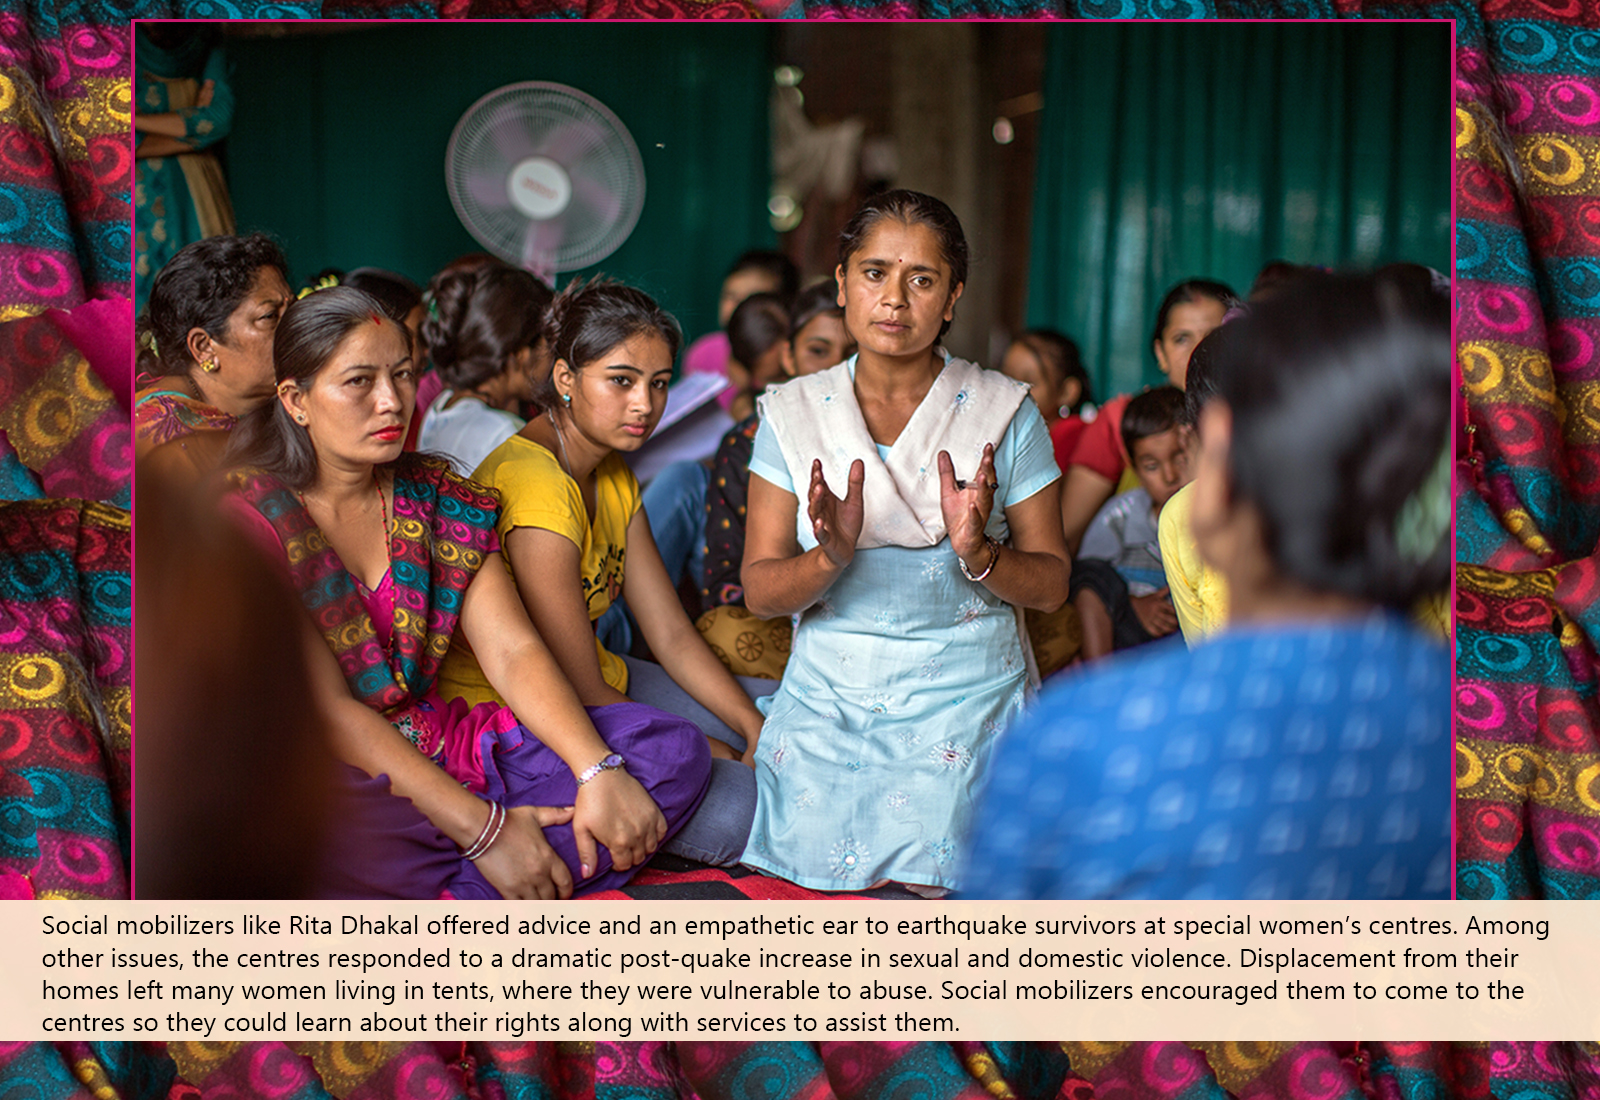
994 555
490 833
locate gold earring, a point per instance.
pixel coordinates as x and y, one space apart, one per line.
210 365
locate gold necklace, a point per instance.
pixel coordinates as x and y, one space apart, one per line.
388 545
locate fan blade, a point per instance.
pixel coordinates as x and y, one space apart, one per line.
511 136
569 141
540 243
597 197
488 189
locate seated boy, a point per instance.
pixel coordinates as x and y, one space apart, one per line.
1118 585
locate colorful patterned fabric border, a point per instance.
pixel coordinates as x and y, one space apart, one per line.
443 527
59 419
65 721
1528 498
65 167
804 1071
161 417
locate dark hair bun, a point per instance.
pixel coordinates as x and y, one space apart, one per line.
479 318
1339 389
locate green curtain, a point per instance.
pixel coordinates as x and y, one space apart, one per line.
1169 151
339 141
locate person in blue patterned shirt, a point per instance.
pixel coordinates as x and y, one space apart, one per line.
1304 752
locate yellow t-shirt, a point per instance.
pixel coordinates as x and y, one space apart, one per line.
1200 595
536 492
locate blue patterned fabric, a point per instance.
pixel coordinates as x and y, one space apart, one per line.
1290 762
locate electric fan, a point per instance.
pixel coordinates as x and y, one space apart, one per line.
544 176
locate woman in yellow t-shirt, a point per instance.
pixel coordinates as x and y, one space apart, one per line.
576 536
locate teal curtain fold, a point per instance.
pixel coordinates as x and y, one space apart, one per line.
339 140
1169 151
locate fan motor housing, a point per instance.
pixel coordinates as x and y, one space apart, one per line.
539 187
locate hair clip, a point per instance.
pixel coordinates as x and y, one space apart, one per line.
1424 518
322 284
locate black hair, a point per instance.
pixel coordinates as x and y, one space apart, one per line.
200 287
479 319
1059 355
1200 381
311 332
1192 290
820 297
586 320
397 294
1152 412
1339 388
1273 277
776 264
757 323
913 208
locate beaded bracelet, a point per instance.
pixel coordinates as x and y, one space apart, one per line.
491 832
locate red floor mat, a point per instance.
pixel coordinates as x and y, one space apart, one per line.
674 879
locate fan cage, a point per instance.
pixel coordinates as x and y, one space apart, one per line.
525 119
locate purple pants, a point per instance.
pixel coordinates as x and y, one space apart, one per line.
381 846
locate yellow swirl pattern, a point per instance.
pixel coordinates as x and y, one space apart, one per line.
49 414
115 98
1506 374
1586 787
349 635
119 709
1498 772
1526 528
1492 582
1466 129
92 1075
981 1065
345 1064
1474 140
32 680
195 1060
1552 163
1088 1059
1582 425
1565 164
1236 1065
1469 767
